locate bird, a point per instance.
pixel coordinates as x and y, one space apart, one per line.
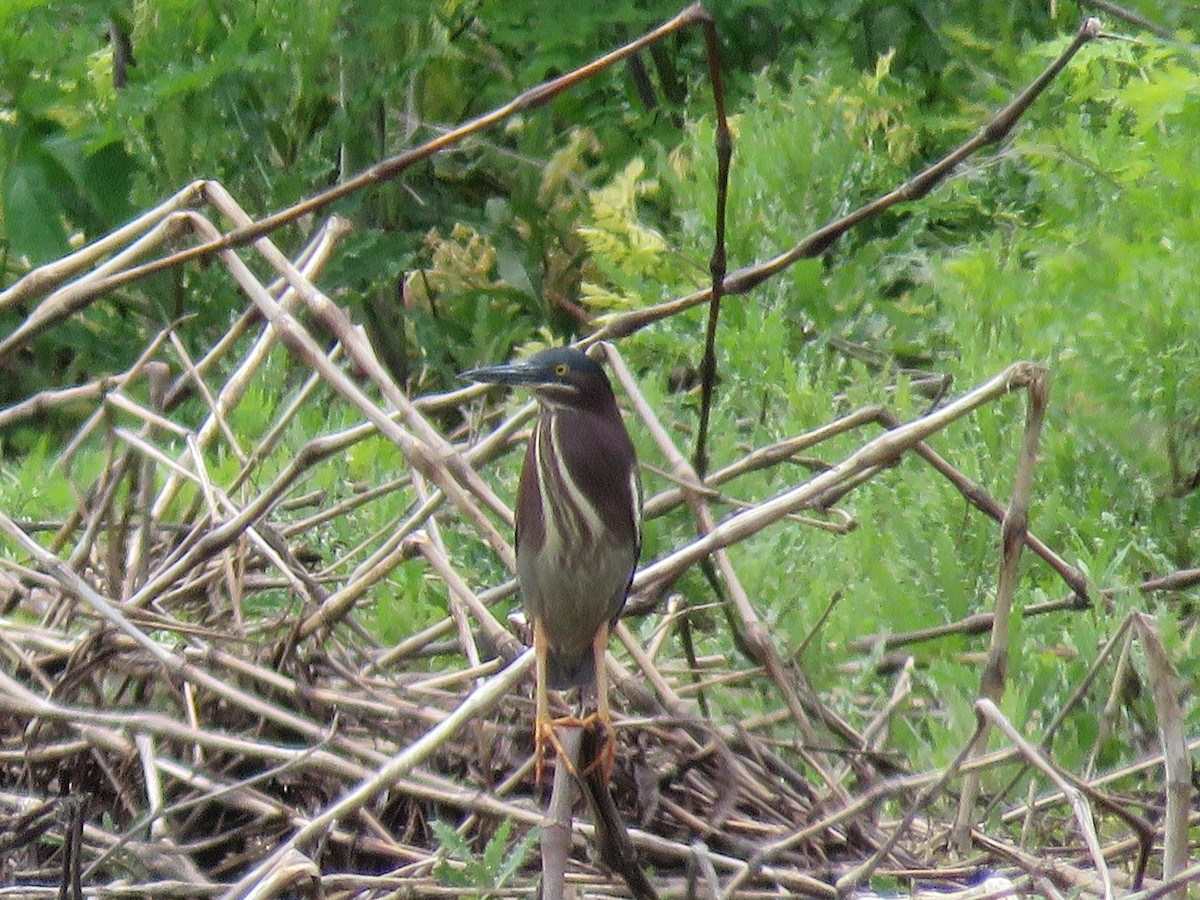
578 531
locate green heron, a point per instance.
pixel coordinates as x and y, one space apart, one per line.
578 535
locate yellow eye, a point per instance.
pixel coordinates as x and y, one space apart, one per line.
561 369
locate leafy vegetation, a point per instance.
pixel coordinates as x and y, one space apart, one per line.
486 873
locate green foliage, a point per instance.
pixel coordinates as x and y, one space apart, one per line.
1065 247
484 874
108 112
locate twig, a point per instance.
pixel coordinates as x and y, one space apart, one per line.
1177 764
1012 541
556 830
744 280
988 711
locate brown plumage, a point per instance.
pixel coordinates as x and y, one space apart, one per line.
578 515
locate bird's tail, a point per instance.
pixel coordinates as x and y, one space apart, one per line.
570 669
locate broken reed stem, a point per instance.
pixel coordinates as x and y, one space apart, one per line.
556 830
1012 541
879 451
1177 764
754 633
988 712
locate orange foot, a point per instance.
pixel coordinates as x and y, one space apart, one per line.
544 733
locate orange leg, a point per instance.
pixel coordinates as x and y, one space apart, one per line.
543 728
607 757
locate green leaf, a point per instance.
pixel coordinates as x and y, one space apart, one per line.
454 843
33 217
516 857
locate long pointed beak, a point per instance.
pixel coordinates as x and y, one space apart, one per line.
507 373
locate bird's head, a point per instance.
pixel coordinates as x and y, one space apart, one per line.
559 376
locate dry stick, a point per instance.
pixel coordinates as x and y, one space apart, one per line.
1114 703
97 417
880 451
239 796
47 314
311 260
335 701
1131 17
874 731
1177 766
341 601
424 447
256 535
43 402
556 829
414 644
181 562
479 703
1190 875
1047 873
106 493
75 296
1121 774
432 539
218 416
304 346
987 710
326 511
1175 581
49 276
717 265
1144 829
293 875
976 623
754 633
852 879
268 442
1012 541
764 457
238 383
137 560
485 449
462 596
336 605
983 501
745 279
717 262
